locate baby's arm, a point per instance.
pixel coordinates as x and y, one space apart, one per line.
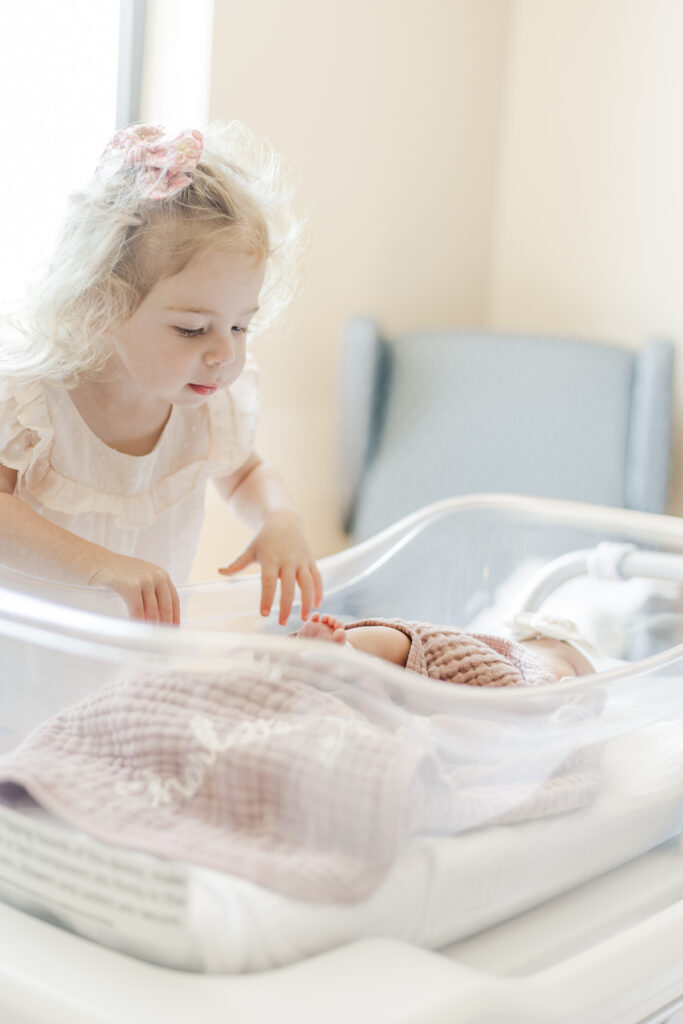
30 543
260 497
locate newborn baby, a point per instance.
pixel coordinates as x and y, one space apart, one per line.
453 655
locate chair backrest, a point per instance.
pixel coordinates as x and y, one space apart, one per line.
434 414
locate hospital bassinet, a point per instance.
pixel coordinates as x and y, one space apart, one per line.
523 864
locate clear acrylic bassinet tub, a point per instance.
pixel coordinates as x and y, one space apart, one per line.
358 816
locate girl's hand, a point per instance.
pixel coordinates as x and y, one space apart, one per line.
281 549
147 589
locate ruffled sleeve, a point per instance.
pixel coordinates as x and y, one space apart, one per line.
26 432
233 418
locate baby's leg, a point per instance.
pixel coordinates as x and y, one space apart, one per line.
381 641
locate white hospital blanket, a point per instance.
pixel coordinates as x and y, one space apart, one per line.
440 890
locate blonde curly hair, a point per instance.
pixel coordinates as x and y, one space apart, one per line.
115 244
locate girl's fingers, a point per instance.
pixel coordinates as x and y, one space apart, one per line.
149 601
268 585
317 586
147 590
287 587
164 602
239 563
305 582
175 605
135 604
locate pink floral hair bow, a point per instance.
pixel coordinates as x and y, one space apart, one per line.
162 163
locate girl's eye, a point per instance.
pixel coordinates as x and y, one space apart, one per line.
240 330
188 332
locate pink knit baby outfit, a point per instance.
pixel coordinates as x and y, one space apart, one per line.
474 659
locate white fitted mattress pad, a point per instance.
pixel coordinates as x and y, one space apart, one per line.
438 891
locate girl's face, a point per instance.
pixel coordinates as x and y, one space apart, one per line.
187 338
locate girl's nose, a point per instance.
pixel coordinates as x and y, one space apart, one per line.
220 352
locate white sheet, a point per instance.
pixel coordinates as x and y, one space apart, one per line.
439 891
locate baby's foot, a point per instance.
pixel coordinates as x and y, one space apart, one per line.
323 627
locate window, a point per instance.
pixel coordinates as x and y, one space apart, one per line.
58 80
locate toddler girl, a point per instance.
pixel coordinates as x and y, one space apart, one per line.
131 383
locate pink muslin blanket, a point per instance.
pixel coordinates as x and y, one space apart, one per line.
257 772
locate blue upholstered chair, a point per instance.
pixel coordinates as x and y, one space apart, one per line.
434 414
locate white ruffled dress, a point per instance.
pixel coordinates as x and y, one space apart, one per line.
146 506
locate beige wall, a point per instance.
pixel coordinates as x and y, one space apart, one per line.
589 218
388 111
176 64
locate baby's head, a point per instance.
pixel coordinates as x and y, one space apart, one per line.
155 205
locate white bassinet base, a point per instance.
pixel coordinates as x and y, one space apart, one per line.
607 953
